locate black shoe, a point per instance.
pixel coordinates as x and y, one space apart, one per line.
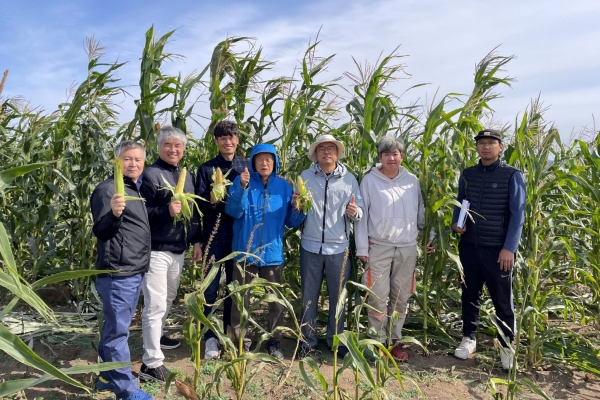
274 350
159 374
168 343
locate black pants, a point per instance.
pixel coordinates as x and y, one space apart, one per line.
219 252
480 265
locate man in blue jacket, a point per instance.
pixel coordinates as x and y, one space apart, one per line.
262 205
489 242
325 238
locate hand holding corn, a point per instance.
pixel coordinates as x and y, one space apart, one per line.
117 204
302 200
219 186
182 204
174 208
351 208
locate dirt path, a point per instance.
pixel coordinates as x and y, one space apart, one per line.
438 376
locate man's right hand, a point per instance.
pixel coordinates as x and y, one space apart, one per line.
364 259
117 204
212 198
197 254
244 178
174 208
458 230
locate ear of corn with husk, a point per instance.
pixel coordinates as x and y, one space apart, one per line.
220 183
188 200
304 201
119 182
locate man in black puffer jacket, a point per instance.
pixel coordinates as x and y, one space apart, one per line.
170 240
496 192
123 234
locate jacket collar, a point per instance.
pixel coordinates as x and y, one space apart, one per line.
378 174
130 183
222 161
162 163
490 167
339 171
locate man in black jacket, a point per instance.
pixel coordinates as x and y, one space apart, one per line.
226 139
487 247
123 246
170 240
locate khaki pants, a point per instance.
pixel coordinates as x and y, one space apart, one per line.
271 274
390 275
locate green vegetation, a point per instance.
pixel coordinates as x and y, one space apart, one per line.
51 163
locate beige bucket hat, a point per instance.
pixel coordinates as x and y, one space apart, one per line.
326 139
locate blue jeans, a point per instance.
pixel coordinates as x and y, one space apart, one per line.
212 291
120 296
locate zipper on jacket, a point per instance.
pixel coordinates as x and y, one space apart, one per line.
149 242
346 226
262 230
325 209
480 195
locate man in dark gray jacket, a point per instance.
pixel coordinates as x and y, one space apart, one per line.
325 234
170 239
123 246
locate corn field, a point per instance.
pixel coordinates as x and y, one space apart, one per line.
51 162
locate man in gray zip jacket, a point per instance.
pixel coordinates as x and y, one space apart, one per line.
325 235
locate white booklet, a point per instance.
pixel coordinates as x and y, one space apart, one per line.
462 217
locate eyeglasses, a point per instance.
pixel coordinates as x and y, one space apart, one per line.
328 149
176 146
487 144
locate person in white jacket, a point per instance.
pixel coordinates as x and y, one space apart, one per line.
325 238
386 241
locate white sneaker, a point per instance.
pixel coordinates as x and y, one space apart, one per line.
211 349
466 348
507 357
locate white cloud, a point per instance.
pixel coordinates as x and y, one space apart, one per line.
555 43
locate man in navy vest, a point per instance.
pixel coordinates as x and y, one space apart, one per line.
488 243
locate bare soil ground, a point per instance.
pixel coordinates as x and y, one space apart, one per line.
437 375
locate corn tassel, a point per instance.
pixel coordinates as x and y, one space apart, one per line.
188 200
304 201
119 182
220 183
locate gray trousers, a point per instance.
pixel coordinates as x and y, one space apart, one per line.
313 268
390 274
271 274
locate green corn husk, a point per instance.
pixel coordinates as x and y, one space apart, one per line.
304 201
220 184
188 200
119 182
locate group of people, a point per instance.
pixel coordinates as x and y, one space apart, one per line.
144 243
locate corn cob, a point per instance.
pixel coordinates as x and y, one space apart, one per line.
181 182
188 200
119 182
220 183
304 201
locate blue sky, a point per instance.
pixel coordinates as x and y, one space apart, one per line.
555 44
